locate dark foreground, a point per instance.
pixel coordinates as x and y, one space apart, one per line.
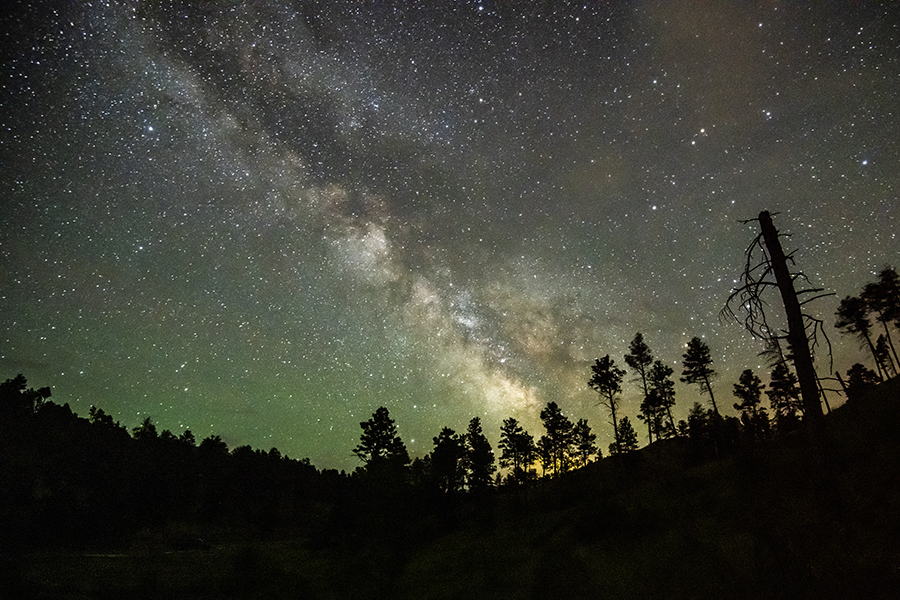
774 521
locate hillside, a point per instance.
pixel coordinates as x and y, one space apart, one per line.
776 522
771 521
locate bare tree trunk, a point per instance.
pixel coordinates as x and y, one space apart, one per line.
824 397
806 373
712 398
843 385
672 421
612 410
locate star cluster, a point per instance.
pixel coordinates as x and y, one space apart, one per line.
266 219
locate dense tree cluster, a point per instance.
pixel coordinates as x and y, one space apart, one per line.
67 478
708 431
465 463
518 452
879 300
654 379
92 480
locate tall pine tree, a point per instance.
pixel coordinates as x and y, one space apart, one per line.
698 369
606 380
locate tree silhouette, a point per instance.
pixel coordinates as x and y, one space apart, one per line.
853 318
479 458
748 390
607 381
883 298
639 358
660 379
544 452
889 294
652 412
883 356
447 465
146 431
802 328
584 443
559 437
697 364
213 446
100 485
628 442
517 450
859 380
784 396
380 441
187 438
696 419
17 402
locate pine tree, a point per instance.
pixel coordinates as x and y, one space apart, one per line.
447 461
853 318
883 356
889 282
652 413
584 442
698 368
660 379
545 455
517 451
639 358
882 297
380 442
859 380
559 437
17 402
628 441
607 381
784 397
146 431
479 458
749 391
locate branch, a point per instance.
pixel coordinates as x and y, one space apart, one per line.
817 297
818 326
756 279
811 291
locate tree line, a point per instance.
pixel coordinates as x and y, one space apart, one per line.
75 480
878 300
465 461
707 429
68 477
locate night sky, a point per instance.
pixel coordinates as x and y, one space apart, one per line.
265 219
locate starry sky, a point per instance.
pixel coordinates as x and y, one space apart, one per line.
265 219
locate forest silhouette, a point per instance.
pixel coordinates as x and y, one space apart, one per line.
720 505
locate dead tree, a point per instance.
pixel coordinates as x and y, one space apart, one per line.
803 330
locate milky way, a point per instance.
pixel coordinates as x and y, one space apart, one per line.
265 219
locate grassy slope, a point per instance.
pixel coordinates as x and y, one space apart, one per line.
777 523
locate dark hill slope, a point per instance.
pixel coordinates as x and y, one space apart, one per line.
774 522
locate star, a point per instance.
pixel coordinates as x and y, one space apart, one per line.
265 221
